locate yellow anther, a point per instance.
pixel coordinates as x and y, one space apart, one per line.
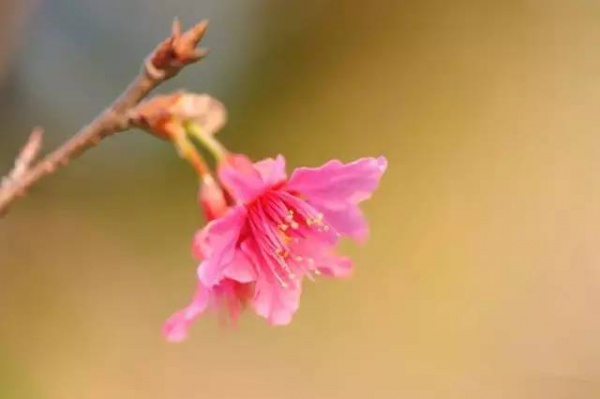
290 215
283 227
282 253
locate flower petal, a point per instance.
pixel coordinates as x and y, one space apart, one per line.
335 266
275 303
335 183
242 180
241 269
218 245
200 248
176 327
348 221
323 259
211 198
231 297
272 171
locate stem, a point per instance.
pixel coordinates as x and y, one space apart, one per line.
207 140
188 151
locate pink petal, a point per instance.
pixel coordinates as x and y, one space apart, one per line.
275 303
348 221
211 199
323 258
241 269
200 247
219 245
335 266
233 297
272 171
335 183
176 327
335 189
238 175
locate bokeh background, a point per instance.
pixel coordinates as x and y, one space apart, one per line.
482 275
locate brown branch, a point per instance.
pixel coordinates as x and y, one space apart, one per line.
167 59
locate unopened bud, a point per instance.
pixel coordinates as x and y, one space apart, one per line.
212 199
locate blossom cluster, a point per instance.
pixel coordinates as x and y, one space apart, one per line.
267 231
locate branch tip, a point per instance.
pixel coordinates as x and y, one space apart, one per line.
176 28
178 50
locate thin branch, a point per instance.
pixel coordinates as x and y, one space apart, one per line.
166 61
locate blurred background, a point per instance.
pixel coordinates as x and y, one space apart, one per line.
482 275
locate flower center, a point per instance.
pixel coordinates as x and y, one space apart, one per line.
280 223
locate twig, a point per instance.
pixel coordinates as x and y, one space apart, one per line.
167 59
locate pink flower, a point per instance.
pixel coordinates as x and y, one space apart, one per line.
278 231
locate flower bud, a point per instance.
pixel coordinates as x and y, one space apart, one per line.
212 199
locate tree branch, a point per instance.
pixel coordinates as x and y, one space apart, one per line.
166 61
